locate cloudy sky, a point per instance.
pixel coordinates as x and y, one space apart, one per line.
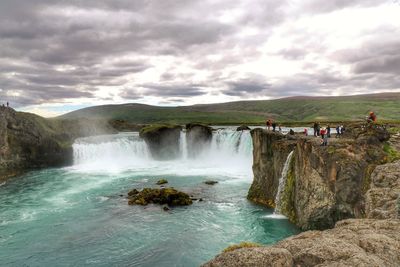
60 55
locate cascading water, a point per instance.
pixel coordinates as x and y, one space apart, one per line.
183 145
110 152
282 184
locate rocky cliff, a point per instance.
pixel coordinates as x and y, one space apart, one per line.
324 184
28 141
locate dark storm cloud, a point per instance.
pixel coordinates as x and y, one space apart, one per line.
166 91
246 87
379 65
375 57
173 90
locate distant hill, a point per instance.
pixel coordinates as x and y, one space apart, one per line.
301 108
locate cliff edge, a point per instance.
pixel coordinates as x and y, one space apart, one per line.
324 184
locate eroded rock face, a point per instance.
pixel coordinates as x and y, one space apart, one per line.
353 242
383 198
270 150
198 137
324 184
162 140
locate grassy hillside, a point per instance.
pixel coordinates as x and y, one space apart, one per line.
386 106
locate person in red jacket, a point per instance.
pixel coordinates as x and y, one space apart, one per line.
371 117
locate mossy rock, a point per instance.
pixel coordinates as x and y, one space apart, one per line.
169 196
210 182
242 245
162 181
154 128
133 192
243 128
190 126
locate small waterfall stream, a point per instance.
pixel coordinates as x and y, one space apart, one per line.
282 184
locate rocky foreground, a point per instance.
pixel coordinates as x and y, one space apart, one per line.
353 242
353 177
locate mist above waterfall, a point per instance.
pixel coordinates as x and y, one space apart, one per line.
229 153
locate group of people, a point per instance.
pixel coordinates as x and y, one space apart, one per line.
8 105
272 124
323 132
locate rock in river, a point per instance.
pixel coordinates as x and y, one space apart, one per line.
161 196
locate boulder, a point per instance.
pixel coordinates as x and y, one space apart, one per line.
252 257
162 181
353 242
210 182
169 196
162 140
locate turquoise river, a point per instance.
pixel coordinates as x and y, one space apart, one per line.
79 215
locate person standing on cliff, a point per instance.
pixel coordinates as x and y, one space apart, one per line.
315 129
268 123
273 126
328 131
323 133
324 140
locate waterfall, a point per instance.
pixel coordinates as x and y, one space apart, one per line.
231 142
183 145
110 151
228 153
282 184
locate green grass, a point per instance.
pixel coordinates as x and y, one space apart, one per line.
285 111
242 245
392 154
155 127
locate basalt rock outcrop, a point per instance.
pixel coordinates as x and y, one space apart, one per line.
162 140
198 136
324 184
28 141
353 242
382 200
